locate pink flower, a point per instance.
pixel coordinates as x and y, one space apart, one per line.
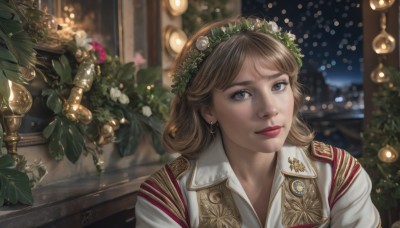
138 59
100 51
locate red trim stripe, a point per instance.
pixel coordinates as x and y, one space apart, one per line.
178 189
165 210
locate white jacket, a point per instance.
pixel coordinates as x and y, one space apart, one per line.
318 186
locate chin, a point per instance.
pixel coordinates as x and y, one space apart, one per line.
273 146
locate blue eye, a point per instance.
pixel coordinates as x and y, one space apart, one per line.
279 86
240 95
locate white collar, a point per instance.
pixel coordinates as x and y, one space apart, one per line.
213 167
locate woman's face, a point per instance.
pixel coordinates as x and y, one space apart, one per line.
255 112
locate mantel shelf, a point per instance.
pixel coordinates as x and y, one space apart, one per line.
79 202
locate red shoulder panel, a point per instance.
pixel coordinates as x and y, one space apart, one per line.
345 168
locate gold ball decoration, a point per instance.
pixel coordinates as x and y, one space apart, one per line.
384 43
28 73
388 154
79 113
380 5
19 101
380 74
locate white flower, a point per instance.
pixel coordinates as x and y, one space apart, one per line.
223 29
258 23
82 41
291 36
202 43
123 99
146 111
115 93
274 26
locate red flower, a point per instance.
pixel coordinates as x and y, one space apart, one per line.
100 51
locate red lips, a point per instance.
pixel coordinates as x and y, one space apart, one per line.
270 131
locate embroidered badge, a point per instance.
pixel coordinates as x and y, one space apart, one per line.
296 165
217 207
297 187
306 209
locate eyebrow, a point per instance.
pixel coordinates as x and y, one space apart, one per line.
243 83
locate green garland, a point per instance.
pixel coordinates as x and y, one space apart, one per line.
205 45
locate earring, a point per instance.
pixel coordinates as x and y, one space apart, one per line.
212 127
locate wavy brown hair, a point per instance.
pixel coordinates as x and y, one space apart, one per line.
186 131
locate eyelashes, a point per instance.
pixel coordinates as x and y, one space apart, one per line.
244 94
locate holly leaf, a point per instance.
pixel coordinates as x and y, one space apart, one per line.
56 141
75 141
63 69
54 102
66 138
15 186
48 131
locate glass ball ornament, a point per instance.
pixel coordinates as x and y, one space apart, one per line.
380 74
28 73
384 43
19 100
380 5
50 23
388 154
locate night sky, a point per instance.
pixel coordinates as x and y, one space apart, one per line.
329 33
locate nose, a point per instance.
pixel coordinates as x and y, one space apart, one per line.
267 106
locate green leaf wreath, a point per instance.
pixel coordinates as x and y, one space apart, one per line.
120 94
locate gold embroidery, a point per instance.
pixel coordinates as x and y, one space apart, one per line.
321 150
301 210
179 166
217 208
297 165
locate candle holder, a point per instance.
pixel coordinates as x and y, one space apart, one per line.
19 103
11 124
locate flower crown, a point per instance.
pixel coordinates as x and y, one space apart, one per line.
206 44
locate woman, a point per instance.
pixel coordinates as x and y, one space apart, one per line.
247 159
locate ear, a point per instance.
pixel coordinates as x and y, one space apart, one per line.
208 114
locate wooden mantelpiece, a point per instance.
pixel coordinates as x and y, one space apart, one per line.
79 202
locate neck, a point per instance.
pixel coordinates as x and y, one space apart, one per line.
252 166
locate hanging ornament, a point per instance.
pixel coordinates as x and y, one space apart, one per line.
380 74
83 80
107 132
380 4
383 43
28 73
388 154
